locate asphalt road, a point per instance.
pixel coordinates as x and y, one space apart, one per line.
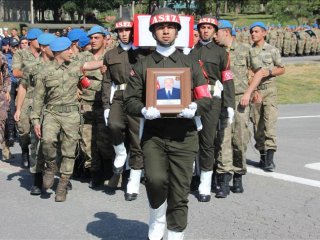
280 205
304 59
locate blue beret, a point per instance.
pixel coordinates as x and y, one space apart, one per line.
75 34
224 24
258 24
34 33
106 32
233 33
46 38
60 44
5 41
96 29
83 41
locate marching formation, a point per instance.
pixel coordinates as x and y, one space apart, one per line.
80 104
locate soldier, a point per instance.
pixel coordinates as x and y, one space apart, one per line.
119 62
266 57
302 39
84 43
56 90
74 36
5 85
294 42
272 36
287 41
95 142
25 58
169 145
29 80
215 63
235 137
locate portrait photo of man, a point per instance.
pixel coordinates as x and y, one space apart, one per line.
169 88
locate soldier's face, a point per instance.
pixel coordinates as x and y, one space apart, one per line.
258 34
196 37
47 51
24 44
66 55
108 41
96 41
220 37
124 35
34 43
207 32
166 33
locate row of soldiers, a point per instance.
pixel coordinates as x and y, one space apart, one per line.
301 40
77 88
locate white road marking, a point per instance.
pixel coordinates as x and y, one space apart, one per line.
298 117
315 166
284 177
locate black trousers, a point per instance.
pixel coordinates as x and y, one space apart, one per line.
207 136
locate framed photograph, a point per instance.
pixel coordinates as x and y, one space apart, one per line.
168 89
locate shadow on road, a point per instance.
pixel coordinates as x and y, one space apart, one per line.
109 226
253 163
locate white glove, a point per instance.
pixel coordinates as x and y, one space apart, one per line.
218 88
106 116
230 114
190 111
150 113
198 123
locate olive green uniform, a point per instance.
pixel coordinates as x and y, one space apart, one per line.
119 66
56 91
265 114
215 60
169 145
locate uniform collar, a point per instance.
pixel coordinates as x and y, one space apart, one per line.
158 57
209 45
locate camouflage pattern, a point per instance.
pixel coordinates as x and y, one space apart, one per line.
302 39
308 45
95 139
265 114
56 90
5 87
287 42
233 139
293 45
272 37
280 39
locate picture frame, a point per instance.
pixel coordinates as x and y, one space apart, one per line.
168 90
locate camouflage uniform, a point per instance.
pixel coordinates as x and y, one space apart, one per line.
287 43
235 137
280 39
265 114
308 45
302 39
294 43
22 59
272 37
56 91
5 87
95 142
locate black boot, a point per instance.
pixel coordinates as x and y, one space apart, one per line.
223 183
214 182
97 179
237 183
269 166
37 184
262 162
25 159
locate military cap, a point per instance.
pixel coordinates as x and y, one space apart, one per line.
60 44
75 34
46 38
96 29
14 42
258 24
34 33
83 41
224 24
164 15
106 32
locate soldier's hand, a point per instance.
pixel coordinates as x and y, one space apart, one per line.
151 113
256 98
230 111
16 116
245 100
37 130
190 111
103 69
79 93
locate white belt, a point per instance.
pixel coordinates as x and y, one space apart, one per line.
121 87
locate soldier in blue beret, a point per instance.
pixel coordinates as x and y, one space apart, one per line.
74 35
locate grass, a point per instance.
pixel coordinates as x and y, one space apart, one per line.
299 84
